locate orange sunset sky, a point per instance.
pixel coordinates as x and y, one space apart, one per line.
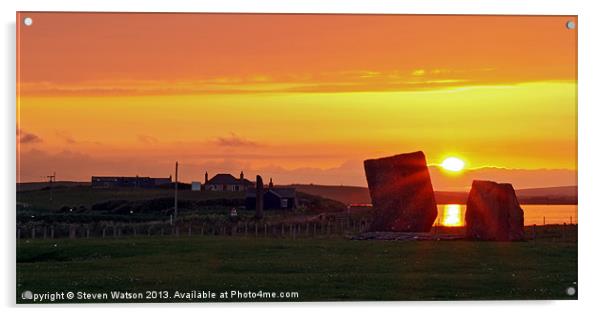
300 98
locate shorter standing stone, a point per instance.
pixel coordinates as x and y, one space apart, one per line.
493 212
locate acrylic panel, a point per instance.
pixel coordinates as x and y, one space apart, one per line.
194 157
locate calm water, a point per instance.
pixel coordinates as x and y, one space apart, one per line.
453 214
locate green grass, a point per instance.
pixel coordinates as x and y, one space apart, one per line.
319 269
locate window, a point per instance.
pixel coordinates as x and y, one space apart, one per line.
284 203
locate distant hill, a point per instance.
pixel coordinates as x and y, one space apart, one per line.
79 202
555 191
553 195
345 194
360 195
32 186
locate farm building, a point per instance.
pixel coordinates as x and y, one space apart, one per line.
227 182
196 186
281 198
137 182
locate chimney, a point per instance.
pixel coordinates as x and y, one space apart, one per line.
206 177
242 176
271 185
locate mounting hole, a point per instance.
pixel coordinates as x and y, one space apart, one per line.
570 291
28 21
570 25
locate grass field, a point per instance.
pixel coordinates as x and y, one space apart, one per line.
318 269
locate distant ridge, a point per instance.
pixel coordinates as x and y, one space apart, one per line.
31 186
360 195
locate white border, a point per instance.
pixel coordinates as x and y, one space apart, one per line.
589 147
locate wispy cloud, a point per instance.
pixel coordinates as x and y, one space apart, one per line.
27 138
66 137
69 139
418 72
325 82
147 139
234 140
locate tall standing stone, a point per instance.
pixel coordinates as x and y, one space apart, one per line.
402 193
493 212
259 198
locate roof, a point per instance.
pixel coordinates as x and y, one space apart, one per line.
225 178
285 192
280 192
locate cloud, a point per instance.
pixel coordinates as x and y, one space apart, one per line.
367 80
418 72
66 137
69 139
28 138
74 165
235 141
520 178
147 139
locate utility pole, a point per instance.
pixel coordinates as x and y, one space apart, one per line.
51 179
176 195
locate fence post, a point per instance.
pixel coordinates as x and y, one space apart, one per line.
563 231
87 232
104 232
246 228
265 230
534 231
189 230
33 232
51 232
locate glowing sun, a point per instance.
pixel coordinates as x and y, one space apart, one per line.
453 164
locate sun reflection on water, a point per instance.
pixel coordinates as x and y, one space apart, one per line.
452 215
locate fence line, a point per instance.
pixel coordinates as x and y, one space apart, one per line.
251 229
256 229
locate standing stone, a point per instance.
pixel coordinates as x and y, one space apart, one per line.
259 198
493 212
402 193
